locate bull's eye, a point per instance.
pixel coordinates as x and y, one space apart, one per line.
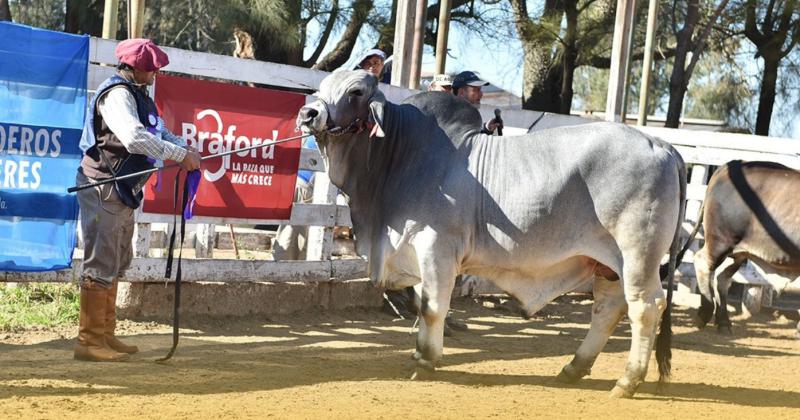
356 92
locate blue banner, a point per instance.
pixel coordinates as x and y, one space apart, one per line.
42 108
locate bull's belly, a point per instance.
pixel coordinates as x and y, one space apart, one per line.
770 256
540 250
534 288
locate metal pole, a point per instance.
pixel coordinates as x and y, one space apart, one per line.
135 18
644 92
419 39
441 37
619 60
110 19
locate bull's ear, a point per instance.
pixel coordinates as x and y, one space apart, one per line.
376 105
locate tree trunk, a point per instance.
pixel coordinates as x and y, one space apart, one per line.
542 74
84 17
341 53
5 11
569 56
766 99
678 81
541 79
677 93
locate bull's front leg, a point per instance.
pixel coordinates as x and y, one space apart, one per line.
438 272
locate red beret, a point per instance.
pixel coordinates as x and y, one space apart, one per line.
141 54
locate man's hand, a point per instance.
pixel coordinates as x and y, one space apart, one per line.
191 161
492 125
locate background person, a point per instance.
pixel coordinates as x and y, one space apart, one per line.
372 61
468 86
441 83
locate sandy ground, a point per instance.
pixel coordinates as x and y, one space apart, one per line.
356 364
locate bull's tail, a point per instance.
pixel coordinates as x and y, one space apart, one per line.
682 252
664 339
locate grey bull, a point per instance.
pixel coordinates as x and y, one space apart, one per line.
539 214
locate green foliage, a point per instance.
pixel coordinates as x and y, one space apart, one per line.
718 90
47 14
41 304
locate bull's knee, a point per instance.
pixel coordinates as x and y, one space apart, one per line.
643 312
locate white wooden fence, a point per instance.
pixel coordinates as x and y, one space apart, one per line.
700 149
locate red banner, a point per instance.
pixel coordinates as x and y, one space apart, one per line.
218 117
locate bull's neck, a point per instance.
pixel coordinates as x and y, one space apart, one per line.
354 160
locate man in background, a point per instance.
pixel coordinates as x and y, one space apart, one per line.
468 86
372 61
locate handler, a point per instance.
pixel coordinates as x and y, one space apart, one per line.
121 121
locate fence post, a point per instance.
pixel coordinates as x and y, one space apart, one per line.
204 241
320 238
692 208
141 240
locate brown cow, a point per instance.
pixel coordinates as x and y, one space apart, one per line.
749 213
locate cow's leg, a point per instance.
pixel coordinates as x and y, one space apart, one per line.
646 303
723 283
704 271
438 279
607 309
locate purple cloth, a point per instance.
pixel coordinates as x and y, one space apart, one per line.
192 183
158 175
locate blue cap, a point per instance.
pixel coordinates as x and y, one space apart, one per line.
467 78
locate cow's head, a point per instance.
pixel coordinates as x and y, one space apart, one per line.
348 102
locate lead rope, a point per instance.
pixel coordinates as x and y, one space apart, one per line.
168 272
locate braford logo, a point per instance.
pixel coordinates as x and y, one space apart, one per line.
216 142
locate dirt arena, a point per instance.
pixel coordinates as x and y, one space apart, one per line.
356 364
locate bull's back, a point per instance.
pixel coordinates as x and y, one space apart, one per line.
557 189
750 209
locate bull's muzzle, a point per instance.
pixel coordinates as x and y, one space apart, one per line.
311 118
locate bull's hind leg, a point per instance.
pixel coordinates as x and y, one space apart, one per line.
438 279
646 303
607 309
704 271
723 283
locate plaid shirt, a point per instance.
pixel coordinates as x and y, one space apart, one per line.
118 108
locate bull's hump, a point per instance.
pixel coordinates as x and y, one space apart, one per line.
454 115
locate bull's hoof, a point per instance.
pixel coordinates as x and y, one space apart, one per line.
724 329
456 324
416 355
424 371
620 392
700 323
570 375
703 316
